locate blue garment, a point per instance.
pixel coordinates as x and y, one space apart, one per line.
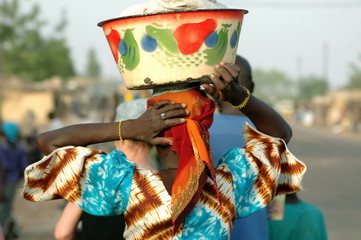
14 160
225 133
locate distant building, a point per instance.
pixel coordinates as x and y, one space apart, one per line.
339 110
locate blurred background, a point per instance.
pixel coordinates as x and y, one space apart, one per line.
56 69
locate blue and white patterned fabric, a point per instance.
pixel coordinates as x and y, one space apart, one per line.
107 189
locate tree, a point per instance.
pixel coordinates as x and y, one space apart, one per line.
355 76
93 68
309 87
24 51
272 85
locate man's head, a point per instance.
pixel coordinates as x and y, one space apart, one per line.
131 110
245 74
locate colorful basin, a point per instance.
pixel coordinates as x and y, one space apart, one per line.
170 48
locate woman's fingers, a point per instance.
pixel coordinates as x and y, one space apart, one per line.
162 103
228 72
220 85
174 113
210 89
161 141
171 106
168 123
232 68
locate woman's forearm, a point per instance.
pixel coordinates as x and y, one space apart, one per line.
77 135
145 128
266 119
84 135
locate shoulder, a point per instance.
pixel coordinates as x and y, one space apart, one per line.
233 158
310 208
113 165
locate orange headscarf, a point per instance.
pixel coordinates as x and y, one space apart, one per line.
191 143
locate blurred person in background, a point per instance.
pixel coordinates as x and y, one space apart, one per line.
225 133
33 153
108 227
67 227
301 221
29 136
54 121
14 160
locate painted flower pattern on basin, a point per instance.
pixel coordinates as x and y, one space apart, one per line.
174 47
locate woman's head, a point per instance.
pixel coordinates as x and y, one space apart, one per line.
201 107
190 141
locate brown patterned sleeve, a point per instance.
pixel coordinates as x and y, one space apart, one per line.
59 174
279 171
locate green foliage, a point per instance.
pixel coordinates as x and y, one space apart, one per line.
93 68
355 76
309 87
272 85
24 51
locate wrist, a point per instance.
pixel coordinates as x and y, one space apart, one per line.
124 132
242 99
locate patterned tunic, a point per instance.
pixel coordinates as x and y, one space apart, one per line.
109 184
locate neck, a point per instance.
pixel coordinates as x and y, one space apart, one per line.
292 198
168 159
139 155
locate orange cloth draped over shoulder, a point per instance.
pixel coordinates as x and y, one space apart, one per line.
191 143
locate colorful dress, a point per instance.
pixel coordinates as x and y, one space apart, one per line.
108 184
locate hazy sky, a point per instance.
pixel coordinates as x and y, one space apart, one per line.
300 37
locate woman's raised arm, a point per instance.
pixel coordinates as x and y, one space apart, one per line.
146 128
264 117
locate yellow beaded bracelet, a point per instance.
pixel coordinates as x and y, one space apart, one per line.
120 130
245 101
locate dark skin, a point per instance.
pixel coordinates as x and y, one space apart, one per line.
245 79
228 88
149 125
292 198
146 128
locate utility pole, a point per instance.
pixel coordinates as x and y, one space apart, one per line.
325 61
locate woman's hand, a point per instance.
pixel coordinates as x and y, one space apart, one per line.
161 116
147 127
226 87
